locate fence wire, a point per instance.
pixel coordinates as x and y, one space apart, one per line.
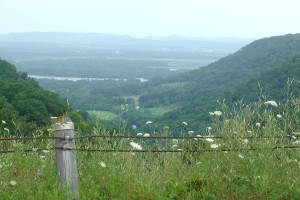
150 150
144 137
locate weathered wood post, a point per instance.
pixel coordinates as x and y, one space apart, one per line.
66 157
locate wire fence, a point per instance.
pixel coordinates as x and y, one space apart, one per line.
145 150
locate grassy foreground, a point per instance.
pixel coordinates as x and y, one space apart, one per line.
263 173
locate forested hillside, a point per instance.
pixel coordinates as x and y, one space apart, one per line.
276 84
227 73
23 104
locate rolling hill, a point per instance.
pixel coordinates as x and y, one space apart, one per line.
273 84
227 73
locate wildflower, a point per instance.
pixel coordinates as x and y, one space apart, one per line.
174 141
42 157
258 124
136 145
45 151
245 141
191 132
272 103
184 123
3 122
279 116
214 146
218 113
102 164
208 128
198 135
13 183
149 122
211 113
209 140
297 142
241 156
139 134
146 135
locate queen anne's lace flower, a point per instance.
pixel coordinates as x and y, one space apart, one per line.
136 145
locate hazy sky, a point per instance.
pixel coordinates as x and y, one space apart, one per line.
208 18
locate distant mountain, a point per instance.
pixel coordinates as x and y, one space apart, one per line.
227 73
113 39
274 87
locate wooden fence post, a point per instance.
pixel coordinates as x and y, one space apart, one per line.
66 157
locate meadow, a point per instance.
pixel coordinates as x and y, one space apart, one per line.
256 158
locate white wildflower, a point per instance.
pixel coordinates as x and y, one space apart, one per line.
102 164
258 124
42 157
214 146
13 183
191 132
209 128
272 103
198 135
245 141
45 151
218 113
296 133
139 134
184 123
146 135
297 142
149 122
3 122
209 140
241 156
174 141
279 116
211 113
136 145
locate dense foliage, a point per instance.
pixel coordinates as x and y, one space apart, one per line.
23 104
227 73
275 84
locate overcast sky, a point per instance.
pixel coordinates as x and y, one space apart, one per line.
197 18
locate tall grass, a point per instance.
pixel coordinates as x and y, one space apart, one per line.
259 173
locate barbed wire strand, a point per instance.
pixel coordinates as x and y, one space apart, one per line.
151 150
143 137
